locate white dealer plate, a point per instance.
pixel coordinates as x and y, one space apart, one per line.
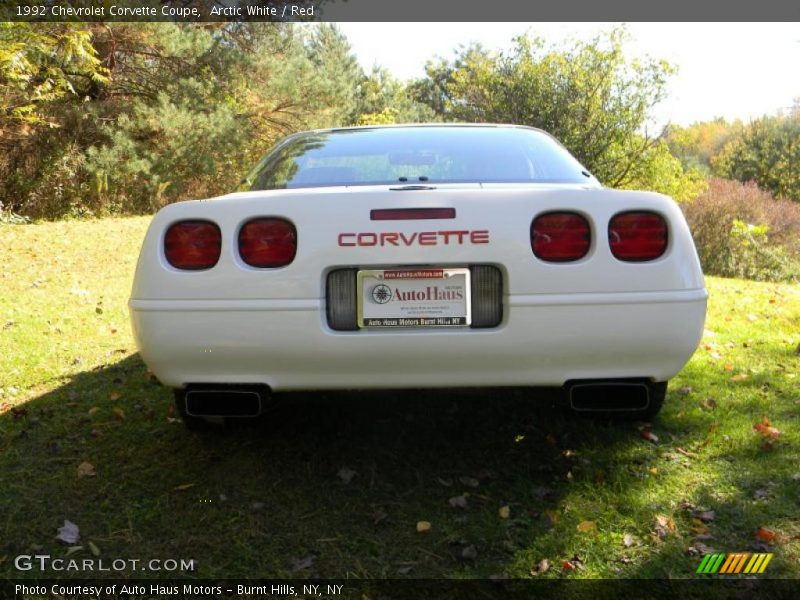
424 297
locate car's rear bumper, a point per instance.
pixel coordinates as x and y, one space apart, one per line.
544 339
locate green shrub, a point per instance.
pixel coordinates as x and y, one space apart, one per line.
742 231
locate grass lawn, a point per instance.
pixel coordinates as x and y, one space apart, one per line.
335 485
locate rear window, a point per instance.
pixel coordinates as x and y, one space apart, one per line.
407 155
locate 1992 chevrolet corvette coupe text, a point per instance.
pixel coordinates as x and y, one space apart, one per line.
416 257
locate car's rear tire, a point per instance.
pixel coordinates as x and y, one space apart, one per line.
658 393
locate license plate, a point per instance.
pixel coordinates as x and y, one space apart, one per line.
415 298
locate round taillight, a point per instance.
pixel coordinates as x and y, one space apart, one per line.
193 245
637 236
267 242
560 236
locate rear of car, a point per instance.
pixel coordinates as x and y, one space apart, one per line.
413 257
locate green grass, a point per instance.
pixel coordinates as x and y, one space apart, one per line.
73 390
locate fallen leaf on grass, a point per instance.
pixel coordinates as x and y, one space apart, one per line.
685 390
504 512
586 526
761 494
765 535
458 501
551 518
68 533
115 396
469 553
444 482
766 429
299 564
86 469
543 566
573 563
699 549
698 527
664 526
729 367
120 414
404 570
346 474
709 404
423 526
183 487
706 516
739 377
94 549
649 436
627 540
469 481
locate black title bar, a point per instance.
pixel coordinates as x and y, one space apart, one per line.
191 11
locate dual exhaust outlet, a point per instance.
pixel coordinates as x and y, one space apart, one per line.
222 401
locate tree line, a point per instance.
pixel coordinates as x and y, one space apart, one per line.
126 117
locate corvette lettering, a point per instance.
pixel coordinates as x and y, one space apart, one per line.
417 238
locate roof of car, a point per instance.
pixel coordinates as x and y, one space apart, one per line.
418 125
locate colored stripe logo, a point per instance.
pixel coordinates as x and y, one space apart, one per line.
734 563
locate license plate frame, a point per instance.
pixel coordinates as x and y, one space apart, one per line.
420 298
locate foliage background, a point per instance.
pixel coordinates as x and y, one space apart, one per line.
117 118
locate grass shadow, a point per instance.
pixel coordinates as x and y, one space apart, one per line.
271 499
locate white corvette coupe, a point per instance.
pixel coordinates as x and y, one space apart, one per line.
417 257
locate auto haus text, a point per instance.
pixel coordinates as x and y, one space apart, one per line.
61 589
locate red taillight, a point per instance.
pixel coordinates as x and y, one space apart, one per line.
193 245
267 243
560 236
637 236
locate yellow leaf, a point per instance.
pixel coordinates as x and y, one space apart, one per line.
698 527
739 377
653 471
504 512
93 410
423 526
120 414
587 526
86 469
115 396
183 487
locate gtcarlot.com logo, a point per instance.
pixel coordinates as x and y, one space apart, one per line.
734 563
44 562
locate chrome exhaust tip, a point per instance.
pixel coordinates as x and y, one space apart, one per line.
609 396
223 401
